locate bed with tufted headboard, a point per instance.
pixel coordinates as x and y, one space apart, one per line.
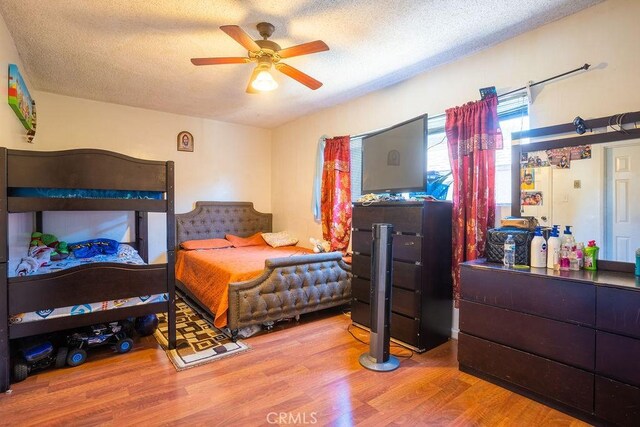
292 283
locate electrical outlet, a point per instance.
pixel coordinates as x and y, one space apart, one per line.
576 183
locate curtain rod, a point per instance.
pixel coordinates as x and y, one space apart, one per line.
502 95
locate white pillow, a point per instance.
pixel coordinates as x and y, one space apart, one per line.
282 238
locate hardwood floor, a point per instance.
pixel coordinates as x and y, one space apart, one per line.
305 374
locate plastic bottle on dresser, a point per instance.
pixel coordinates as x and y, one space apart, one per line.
568 241
580 254
591 256
538 250
553 247
509 251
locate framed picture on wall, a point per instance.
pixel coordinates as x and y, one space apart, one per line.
185 141
19 98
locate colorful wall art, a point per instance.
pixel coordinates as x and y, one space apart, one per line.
20 99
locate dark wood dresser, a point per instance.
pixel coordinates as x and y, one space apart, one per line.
570 339
421 294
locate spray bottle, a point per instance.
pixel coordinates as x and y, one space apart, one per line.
591 256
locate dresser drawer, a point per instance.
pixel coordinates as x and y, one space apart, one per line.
405 219
405 275
564 342
361 265
556 299
403 328
616 402
618 357
360 288
405 247
618 311
565 384
402 301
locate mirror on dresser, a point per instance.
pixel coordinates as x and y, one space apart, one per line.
591 181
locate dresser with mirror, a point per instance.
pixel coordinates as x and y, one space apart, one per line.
570 339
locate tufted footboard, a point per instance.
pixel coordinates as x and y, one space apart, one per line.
289 287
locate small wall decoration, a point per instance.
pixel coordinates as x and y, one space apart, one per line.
19 98
527 179
531 198
185 141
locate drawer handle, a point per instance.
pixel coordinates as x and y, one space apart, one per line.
409 243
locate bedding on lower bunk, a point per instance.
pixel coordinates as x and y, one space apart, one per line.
80 309
124 254
207 273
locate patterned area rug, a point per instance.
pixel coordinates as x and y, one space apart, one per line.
198 341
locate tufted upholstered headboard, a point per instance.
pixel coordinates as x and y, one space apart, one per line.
210 220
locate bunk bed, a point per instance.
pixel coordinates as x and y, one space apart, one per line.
83 180
291 284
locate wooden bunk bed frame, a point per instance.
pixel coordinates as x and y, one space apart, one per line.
248 301
83 169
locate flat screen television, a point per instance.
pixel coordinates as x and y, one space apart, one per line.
394 160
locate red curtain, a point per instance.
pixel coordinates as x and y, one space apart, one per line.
335 202
473 135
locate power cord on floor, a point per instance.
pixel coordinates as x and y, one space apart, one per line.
404 352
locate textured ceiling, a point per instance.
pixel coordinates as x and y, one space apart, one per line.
136 52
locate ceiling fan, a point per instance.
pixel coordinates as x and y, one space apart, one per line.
266 53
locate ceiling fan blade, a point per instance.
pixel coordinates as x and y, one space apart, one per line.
215 61
239 35
298 75
303 49
250 88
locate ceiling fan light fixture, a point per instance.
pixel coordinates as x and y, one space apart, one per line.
264 82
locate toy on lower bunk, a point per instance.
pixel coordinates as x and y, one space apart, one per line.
41 352
114 333
36 354
43 248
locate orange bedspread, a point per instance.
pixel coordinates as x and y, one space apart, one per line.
207 273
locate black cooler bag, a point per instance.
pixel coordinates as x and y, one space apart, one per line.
495 244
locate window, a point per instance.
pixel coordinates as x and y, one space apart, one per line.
513 114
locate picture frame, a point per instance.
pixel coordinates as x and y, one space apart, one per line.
185 141
20 99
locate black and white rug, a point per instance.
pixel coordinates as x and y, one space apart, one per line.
198 341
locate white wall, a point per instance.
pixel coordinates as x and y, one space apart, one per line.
12 133
230 162
605 35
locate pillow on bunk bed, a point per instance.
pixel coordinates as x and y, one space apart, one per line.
91 248
276 240
239 242
192 245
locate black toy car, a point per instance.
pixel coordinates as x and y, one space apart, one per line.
96 335
36 355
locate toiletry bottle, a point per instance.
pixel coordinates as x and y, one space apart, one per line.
538 250
556 260
568 240
553 245
509 251
591 256
564 260
580 254
574 264
638 262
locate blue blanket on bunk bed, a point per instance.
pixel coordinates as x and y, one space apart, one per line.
80 193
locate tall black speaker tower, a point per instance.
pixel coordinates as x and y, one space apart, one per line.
378 358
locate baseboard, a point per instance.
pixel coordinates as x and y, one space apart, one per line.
454 333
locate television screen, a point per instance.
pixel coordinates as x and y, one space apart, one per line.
394 160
